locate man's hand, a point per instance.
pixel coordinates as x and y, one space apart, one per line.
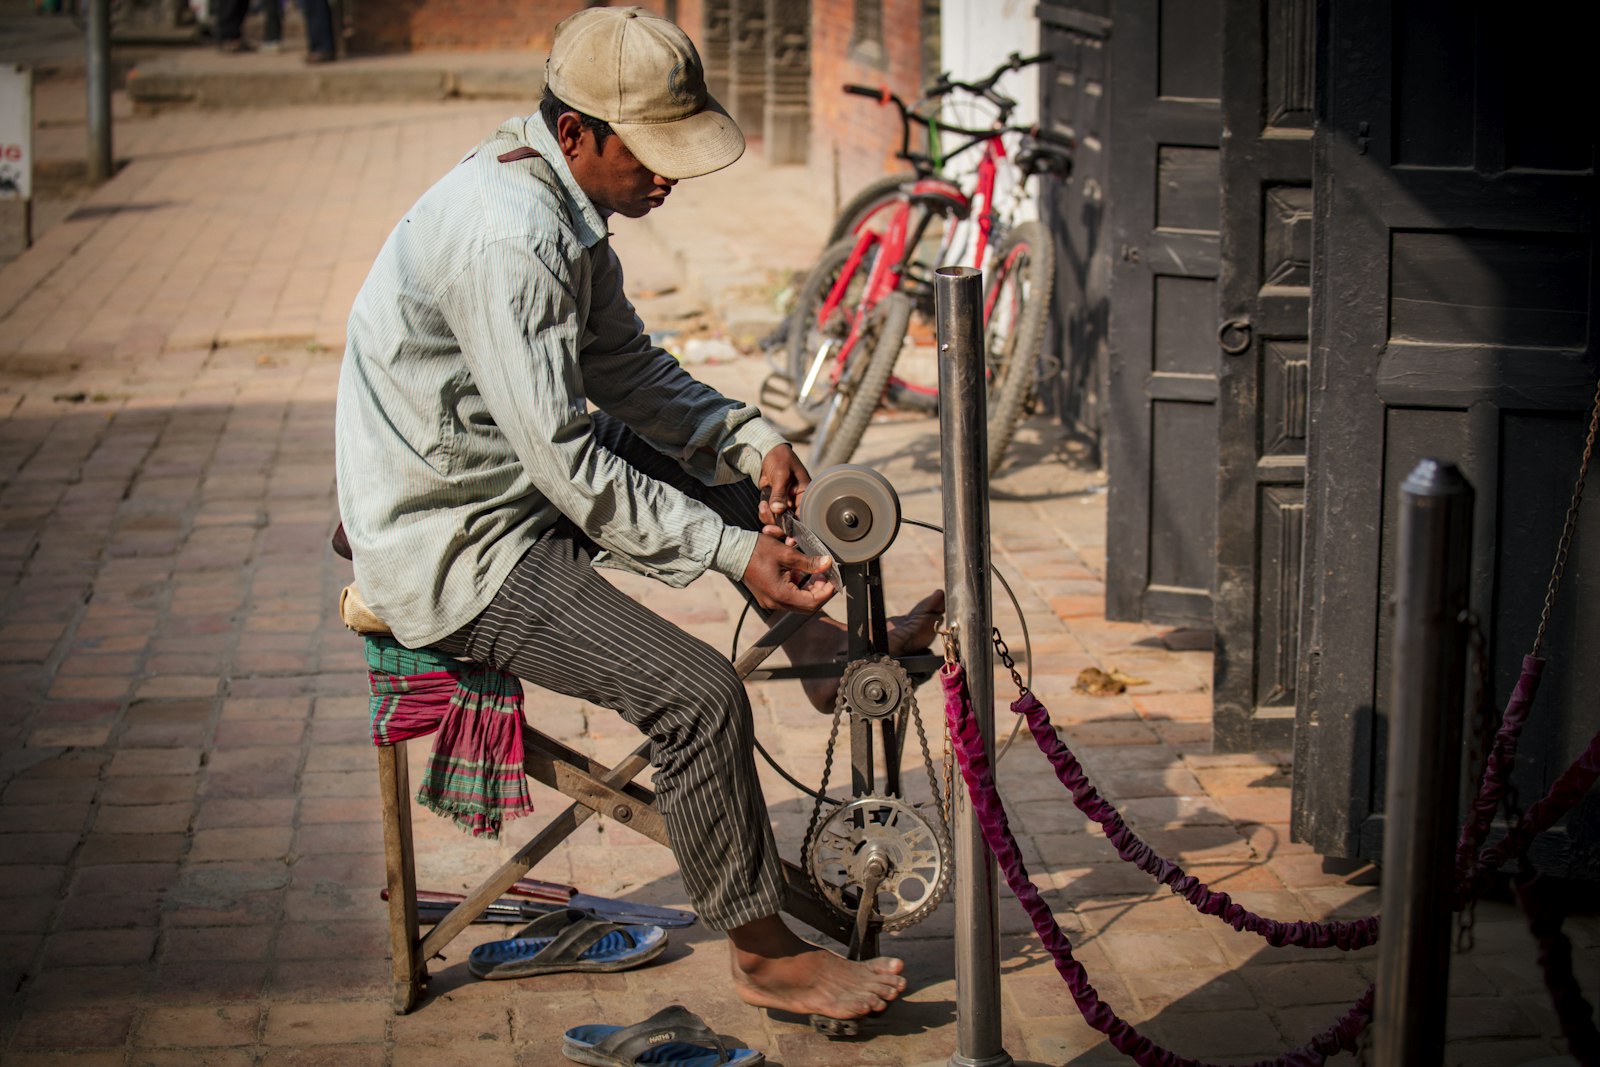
783 480
775 571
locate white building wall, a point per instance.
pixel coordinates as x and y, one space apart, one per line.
975 36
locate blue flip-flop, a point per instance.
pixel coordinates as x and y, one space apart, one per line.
568 940
672 1037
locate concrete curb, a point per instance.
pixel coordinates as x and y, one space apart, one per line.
214 82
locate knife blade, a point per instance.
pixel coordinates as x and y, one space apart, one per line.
812 545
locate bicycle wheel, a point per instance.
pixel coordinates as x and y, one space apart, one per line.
860 389
1016 304
874 197
814 342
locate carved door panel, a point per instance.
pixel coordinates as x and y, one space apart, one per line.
1161 446
1262 326
1454 287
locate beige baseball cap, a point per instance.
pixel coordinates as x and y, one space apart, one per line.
641 74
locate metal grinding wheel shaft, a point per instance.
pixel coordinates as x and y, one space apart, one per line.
963 433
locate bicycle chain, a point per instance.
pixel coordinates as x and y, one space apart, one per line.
942 803
840 704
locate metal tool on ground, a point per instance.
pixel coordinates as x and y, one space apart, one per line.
433 906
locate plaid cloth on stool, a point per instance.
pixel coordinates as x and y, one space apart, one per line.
475 774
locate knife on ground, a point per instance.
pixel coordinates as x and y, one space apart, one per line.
433 906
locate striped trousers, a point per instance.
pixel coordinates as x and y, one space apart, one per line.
558 623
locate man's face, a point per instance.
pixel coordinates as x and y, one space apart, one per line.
608 173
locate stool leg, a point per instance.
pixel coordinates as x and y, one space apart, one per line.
399 860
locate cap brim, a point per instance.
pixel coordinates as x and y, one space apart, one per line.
686 148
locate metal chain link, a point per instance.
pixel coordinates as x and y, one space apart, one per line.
950 777
840 702
940 804
1569 526
952 658
1010 664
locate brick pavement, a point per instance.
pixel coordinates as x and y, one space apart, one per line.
189 843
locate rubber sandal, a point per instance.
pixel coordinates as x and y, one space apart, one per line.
672 1037
568 940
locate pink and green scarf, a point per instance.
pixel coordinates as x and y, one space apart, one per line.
475 774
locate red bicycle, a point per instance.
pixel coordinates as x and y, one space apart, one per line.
870 296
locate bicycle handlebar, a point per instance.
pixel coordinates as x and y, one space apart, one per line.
866 90
983 87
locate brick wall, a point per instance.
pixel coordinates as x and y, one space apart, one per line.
472 25
853 140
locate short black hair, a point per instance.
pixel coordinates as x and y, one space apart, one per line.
552 108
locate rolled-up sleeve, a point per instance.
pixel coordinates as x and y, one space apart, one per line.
523 336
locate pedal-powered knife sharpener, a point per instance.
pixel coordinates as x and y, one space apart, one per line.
878 860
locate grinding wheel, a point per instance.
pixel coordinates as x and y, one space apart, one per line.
854 510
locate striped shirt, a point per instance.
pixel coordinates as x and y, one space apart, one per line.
491 320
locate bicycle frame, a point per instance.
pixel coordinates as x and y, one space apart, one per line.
895 244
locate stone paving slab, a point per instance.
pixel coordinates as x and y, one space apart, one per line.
190 852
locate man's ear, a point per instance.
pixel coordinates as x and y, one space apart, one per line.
569 134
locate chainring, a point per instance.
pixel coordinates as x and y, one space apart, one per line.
917 854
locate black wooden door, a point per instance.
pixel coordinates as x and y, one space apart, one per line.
1073 103
1161 440
1261 334
1454 282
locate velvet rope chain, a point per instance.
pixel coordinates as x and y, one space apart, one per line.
1474 863
1346 935
978 774
976 770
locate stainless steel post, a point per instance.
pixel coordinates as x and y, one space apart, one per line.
1426 710
99 90
964 433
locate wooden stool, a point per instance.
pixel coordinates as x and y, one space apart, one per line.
594 789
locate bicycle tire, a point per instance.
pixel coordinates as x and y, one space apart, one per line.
873 197
807 335
855 407
1014 331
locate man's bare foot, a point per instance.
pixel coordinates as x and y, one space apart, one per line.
822 639
774 968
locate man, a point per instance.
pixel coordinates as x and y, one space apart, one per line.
479 490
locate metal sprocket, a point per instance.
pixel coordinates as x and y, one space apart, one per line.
875 686
917 854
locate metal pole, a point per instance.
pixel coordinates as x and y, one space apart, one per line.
964 431
99 90
1426 708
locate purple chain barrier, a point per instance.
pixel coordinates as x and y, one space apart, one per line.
1496 774
991 817
1346 935
1564 795
1573 1012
